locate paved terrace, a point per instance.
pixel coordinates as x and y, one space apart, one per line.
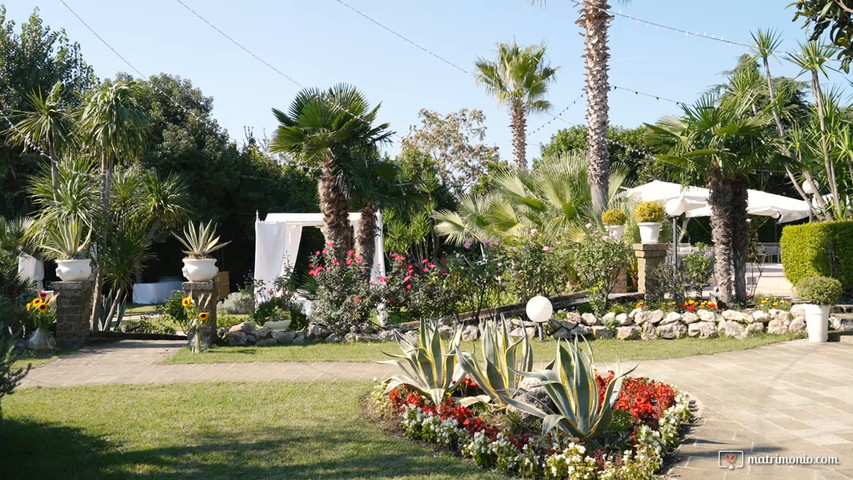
790 399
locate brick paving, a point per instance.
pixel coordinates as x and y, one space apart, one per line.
791 399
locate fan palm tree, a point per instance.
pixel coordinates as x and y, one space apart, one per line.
518 78
719 140
48 125
331 130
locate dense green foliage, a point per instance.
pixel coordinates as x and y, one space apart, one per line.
10 376
829 16
819 290
818 249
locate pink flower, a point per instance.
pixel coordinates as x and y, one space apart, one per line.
511 249
349 261
324 250
318 252
330 244
335 262
409 286
357 259
426 269
424 261
588 225
357 299
390 300
605 238
444 272
533 232
546 249
382 279
467 244
408 277
350 253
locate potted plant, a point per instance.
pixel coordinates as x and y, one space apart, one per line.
42 314
649 215
614 222
200 242
818 295
65 243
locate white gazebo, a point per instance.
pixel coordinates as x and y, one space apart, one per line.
277 243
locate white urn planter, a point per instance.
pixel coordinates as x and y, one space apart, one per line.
278 325
817 321
74 270
200 269
649 232
616 232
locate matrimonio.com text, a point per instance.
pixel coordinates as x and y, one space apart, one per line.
733 459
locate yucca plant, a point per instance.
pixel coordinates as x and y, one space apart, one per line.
200 241
569 381
66 240
502 361
429 365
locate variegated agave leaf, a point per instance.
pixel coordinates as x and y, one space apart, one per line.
429 366
570 383
502 360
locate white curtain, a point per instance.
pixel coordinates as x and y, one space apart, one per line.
31 268
271 240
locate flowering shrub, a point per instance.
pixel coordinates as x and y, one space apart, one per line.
597 259
415 290
654 413
766 302
343 298
537 268
691 306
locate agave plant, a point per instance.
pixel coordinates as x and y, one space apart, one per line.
502 361
65 240
200 241
569 381
429 365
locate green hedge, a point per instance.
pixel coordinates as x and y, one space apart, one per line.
818 249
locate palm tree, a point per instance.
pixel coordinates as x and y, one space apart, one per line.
331 130
518 78
719 140
48 126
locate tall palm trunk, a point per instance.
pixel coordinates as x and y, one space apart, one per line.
781 129
519 136
365 239
106 186
824 143
334 206
730 233
594 19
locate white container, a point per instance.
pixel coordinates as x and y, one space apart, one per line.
817 321
649 232
279 325
616 232
200 269
74 270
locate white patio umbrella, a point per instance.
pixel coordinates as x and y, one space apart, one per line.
783 209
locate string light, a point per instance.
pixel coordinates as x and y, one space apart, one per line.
559 115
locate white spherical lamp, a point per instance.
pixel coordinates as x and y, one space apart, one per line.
539 309
807 187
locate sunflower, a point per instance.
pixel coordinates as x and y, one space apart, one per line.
42 307
187 302
29 306
203 316
37 301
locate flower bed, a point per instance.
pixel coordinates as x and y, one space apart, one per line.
647 419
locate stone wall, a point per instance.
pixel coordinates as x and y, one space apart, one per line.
73 311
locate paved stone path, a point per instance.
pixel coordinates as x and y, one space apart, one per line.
790 399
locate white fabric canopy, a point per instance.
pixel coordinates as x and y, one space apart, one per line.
31 268
693 201
277 243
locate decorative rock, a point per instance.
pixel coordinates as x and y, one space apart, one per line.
317 331
332 338
670 318
367 328
706 315
649 332
445 331
628 333
760 316
672 331
590 319
574 317
266 342
777 327
351 337
568 324
300 339
798 324
553 325
634 313
520 332
283 337
600 331
386 335
641 317
781 315
798 310
689 318
735 316
623 319
582 330
841 324
262 332
470 333
563 333
731 328
756 327
655 317
702 330
236 338
608 317
532 392
245 327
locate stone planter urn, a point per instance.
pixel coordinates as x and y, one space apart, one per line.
817 321
199 269
649 232
74 270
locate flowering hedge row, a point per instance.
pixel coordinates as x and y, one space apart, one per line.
647 419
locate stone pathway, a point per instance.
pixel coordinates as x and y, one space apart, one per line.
787 399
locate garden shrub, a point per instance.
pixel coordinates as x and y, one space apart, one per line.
9 377
818 249
343 298
173 309
687 280
819 290
239 303
160 325
649 212
597 260
537 268
614 216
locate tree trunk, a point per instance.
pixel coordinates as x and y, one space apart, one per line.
740 235
334 206
720 200
106 185
365 242
113 309
519 136
594 19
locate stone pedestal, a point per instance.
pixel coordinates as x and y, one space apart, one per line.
649 256
73 309
620 285
204 295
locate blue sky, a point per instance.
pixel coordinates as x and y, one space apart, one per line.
321 42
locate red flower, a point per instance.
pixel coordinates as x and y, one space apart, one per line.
691 308
357 299
409 286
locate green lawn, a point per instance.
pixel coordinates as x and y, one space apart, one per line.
209 431
605 350
134 309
